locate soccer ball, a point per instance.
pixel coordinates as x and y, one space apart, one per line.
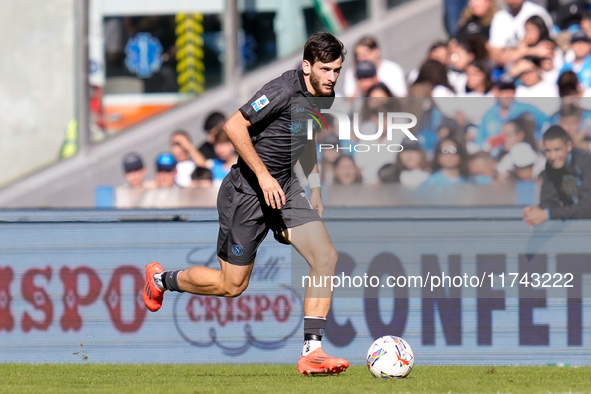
390 357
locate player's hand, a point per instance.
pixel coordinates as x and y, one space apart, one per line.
274 195
316 200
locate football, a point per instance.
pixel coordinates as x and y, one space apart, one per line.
390 357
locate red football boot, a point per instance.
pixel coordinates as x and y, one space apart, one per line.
317 362
152 294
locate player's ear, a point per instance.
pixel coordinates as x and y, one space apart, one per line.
306 67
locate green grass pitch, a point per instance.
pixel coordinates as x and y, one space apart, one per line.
170 378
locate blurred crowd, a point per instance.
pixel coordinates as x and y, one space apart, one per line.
184 165
483 100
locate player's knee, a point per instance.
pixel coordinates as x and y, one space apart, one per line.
326 263
332 258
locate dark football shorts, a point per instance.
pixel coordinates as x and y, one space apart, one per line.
245 220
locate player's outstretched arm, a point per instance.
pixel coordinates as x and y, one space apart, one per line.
237 129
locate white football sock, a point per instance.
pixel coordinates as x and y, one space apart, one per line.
310 346
158 280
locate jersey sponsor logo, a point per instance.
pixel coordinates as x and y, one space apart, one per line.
237 250
260 103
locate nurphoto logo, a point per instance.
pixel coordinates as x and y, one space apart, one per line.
395 122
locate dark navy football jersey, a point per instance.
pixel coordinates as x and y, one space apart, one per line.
278 128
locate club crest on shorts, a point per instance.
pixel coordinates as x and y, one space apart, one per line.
237 250
260 103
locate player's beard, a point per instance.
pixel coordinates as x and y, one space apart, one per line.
317 85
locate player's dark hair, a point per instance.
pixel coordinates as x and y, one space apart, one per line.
323 47
556 132
212 120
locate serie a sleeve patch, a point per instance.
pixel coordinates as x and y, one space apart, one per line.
260 103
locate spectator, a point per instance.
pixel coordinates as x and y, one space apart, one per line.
566 182
482 168
379 90
552 63
411 168
517 131
522 174
370 162
478 80
536 31
438 51
533 89
452 14
463 52
523 160
135 172
328 156
449 127
388 71
520 129
571 92
586 23
537 35
507 30
345 171
386 174
435 73
165 172
571 120
379 98
201 177
226 154
567 13
421 103
581 65
212 125
450 164
367 76
476 19
504 110
186 156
